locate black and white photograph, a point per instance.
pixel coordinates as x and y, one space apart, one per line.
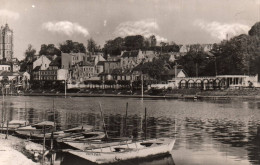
130 82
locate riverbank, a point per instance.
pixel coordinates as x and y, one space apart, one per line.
17 151
201 96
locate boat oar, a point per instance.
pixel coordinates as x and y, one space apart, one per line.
104 125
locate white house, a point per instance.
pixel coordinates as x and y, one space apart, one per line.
43 62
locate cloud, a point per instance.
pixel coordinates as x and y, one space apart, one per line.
220 30
65 27
145 28
9 14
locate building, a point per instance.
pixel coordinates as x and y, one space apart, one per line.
70 59
173 73
6 43
15 65
149 56
215 82
111 65
42 62
5 66
130 59
83 71
45 68
99 67
113 57
14 81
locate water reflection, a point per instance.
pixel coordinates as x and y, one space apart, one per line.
230 130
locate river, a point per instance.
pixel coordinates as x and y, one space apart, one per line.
207 132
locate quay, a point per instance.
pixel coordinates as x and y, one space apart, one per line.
168 96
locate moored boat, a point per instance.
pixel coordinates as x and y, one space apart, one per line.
37 130
81 137
126 151
14 124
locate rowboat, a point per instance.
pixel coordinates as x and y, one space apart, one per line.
82 137
126 151
95 142
68 132
37 130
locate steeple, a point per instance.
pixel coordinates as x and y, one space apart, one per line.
6 43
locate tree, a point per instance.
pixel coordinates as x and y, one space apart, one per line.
79 48
92 46
154 69
72 47
134 42
153 40
255 30
197 63
49 49
147 44
114 47
29 53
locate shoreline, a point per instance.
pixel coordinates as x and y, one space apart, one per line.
169 96
18 151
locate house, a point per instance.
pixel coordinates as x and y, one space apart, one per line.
113 57
82 71
149 56
207 47
99 67
5 66
13 81
120 74
98 58
184 48
110 65
70 59
130 59
62 74
47 70
15 65
137 75
173 73
42 62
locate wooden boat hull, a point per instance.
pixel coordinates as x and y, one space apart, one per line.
83 136
38 133
93 144
132 150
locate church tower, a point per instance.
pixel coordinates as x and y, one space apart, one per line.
6 43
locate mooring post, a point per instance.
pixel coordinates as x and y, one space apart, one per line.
126 118
145 119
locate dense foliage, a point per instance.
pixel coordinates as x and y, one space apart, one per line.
137 42
49 49
72 47
239 55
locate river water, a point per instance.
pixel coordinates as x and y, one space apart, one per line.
207 132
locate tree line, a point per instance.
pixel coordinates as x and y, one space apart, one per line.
239 55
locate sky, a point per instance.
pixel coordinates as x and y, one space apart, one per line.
39 22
